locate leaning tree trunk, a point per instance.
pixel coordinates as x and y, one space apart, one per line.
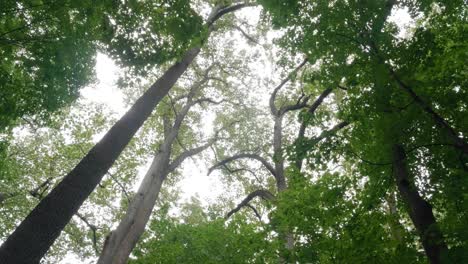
120 242
420 211
33 237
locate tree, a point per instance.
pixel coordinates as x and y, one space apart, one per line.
56 209
277 169
357 48
120 242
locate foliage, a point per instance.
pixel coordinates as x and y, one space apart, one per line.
48 50
205 240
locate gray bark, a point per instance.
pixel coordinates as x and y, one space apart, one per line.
123 239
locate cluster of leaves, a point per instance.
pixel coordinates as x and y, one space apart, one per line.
48 50
199 237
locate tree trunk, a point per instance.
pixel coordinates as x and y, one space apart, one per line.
281 184
420 211
277 153
33 237
122 240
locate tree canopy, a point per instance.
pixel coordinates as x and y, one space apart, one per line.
302 131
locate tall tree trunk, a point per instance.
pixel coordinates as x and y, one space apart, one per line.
33 237
281 184
277 153
420 211
120 242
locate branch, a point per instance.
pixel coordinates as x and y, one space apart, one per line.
188 153
311 111
242 169
370 162
301 103
93 229
332 131
247 36
255 211
265 194
273 108
220 11
244 156
323 135
124 190
208 100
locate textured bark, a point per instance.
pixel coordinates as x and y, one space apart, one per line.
33 237
120 242
419 210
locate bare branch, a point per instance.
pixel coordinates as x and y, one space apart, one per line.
209 100
242 169
273 109
264 194
190 152
93 229
265 163
124 190
332 131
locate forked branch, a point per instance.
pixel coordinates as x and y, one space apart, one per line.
273 109
264 194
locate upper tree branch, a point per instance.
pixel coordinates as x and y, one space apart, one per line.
220 11
311 111
265 194
188 153
265 163
273 109
300 103
255 211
